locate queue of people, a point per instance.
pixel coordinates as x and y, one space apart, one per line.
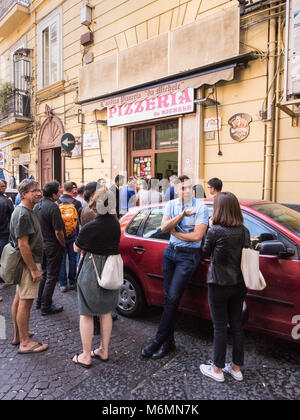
48 229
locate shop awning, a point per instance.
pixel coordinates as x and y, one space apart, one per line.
207 75
12 139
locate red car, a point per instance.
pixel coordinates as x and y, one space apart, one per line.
274 229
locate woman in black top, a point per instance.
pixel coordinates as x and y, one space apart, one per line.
100 238
226 287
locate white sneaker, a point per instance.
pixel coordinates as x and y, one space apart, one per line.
238 376
208 370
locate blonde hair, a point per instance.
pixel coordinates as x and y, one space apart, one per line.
93 200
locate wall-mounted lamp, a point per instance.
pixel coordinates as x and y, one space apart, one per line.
207 102
16 151
101 122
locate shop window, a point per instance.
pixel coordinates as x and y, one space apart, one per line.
142 139
167 136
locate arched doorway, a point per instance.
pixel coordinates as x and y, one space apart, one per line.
51 162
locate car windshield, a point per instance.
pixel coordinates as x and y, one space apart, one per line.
287 217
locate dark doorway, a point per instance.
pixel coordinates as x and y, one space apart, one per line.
57 164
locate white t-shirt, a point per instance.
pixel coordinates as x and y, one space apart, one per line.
149 197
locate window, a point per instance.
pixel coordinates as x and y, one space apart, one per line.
152 229
50 50
258 231
135 224
287 217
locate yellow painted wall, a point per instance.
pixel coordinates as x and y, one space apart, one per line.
122 24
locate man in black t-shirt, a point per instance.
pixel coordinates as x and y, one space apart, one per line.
52 227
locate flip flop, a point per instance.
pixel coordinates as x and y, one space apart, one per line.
96 356
81 364
31 334
32 350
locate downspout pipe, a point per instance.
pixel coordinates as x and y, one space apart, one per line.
267 188
277 115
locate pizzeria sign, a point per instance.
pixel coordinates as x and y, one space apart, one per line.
161 106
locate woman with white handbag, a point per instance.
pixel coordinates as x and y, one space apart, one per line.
224 243
100 277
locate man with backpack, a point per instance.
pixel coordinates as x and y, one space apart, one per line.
70 210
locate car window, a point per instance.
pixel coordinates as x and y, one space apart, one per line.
285 216
152 228
133 227
258 231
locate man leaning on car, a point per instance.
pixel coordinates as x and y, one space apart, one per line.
186 219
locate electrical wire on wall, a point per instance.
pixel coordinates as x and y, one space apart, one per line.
217 112
99 138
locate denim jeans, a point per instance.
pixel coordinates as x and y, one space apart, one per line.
52 259
69 251
226 307
179 265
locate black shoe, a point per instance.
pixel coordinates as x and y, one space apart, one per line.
164 349
52 310
114 317
150 348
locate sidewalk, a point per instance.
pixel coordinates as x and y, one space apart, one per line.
272 368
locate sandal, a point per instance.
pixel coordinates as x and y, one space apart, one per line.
79 363
30 334
33 349
96 356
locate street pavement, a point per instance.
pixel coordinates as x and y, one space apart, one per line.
271 372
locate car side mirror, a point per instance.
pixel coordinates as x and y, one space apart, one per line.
275 248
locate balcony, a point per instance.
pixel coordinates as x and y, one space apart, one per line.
12 14
16 114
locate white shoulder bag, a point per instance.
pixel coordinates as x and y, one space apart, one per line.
253 277
112 277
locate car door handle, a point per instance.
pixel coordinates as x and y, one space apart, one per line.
139 249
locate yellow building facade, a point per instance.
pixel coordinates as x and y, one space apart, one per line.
151 88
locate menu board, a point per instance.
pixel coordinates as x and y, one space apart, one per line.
142 167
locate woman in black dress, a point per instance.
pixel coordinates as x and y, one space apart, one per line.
100 238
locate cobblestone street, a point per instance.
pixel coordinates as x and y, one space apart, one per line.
272 369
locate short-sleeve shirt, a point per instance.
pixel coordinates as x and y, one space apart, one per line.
24 222
187 224
50 219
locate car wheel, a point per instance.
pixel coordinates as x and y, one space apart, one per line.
131 297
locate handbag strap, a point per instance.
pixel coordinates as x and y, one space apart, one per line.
97 274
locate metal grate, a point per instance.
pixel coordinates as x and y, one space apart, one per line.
17 105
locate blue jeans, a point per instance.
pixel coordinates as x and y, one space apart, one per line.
69 251
226 307
179 265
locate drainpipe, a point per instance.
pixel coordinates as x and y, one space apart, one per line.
267 189
277 114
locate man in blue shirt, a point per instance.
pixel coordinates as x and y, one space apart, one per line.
186 219
127 195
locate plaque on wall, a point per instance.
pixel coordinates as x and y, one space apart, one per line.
240 127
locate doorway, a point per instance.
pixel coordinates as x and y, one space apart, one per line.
153 151
51 165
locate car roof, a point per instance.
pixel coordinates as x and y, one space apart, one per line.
245 203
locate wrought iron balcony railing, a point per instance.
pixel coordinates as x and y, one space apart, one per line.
16 105
5 5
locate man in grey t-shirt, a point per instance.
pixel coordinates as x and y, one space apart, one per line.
26 235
